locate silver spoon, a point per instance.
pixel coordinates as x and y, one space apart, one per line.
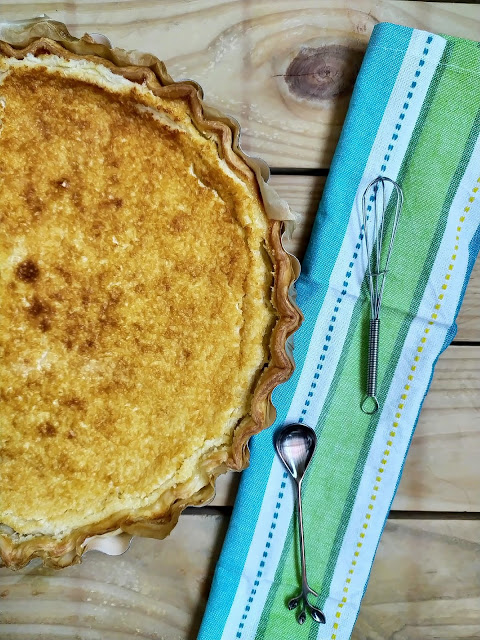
295 445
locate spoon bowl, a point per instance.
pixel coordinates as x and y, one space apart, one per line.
295 444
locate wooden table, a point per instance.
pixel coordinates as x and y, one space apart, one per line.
425 581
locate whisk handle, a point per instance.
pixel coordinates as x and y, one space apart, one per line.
372 370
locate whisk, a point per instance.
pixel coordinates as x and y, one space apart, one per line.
374 203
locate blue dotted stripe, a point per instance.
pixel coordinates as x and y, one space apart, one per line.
265 553
328 337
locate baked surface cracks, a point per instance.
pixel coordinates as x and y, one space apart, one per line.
144 292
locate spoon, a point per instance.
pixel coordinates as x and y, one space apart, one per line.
295 444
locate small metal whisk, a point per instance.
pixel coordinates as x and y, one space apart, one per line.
375 199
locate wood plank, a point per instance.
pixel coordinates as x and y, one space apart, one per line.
441 471
303 194
157 589
424 584
250 56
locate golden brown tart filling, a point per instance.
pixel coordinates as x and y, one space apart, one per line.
143 292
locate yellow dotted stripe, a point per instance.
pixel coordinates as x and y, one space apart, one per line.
398 414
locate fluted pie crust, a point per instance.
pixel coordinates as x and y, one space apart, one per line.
145 301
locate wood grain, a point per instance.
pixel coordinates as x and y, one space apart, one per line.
155 590
303 195
158 589
424 583
441 471
284 70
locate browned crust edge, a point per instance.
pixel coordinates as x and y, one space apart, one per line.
67 551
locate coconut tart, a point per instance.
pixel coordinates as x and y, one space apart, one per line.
145 301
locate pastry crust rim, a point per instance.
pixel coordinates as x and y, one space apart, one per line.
68 550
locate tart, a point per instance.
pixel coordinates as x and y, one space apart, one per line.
146 300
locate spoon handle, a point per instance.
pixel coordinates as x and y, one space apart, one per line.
302 537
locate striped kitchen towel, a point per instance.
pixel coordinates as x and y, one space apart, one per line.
414 117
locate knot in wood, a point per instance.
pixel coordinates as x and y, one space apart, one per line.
323 73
